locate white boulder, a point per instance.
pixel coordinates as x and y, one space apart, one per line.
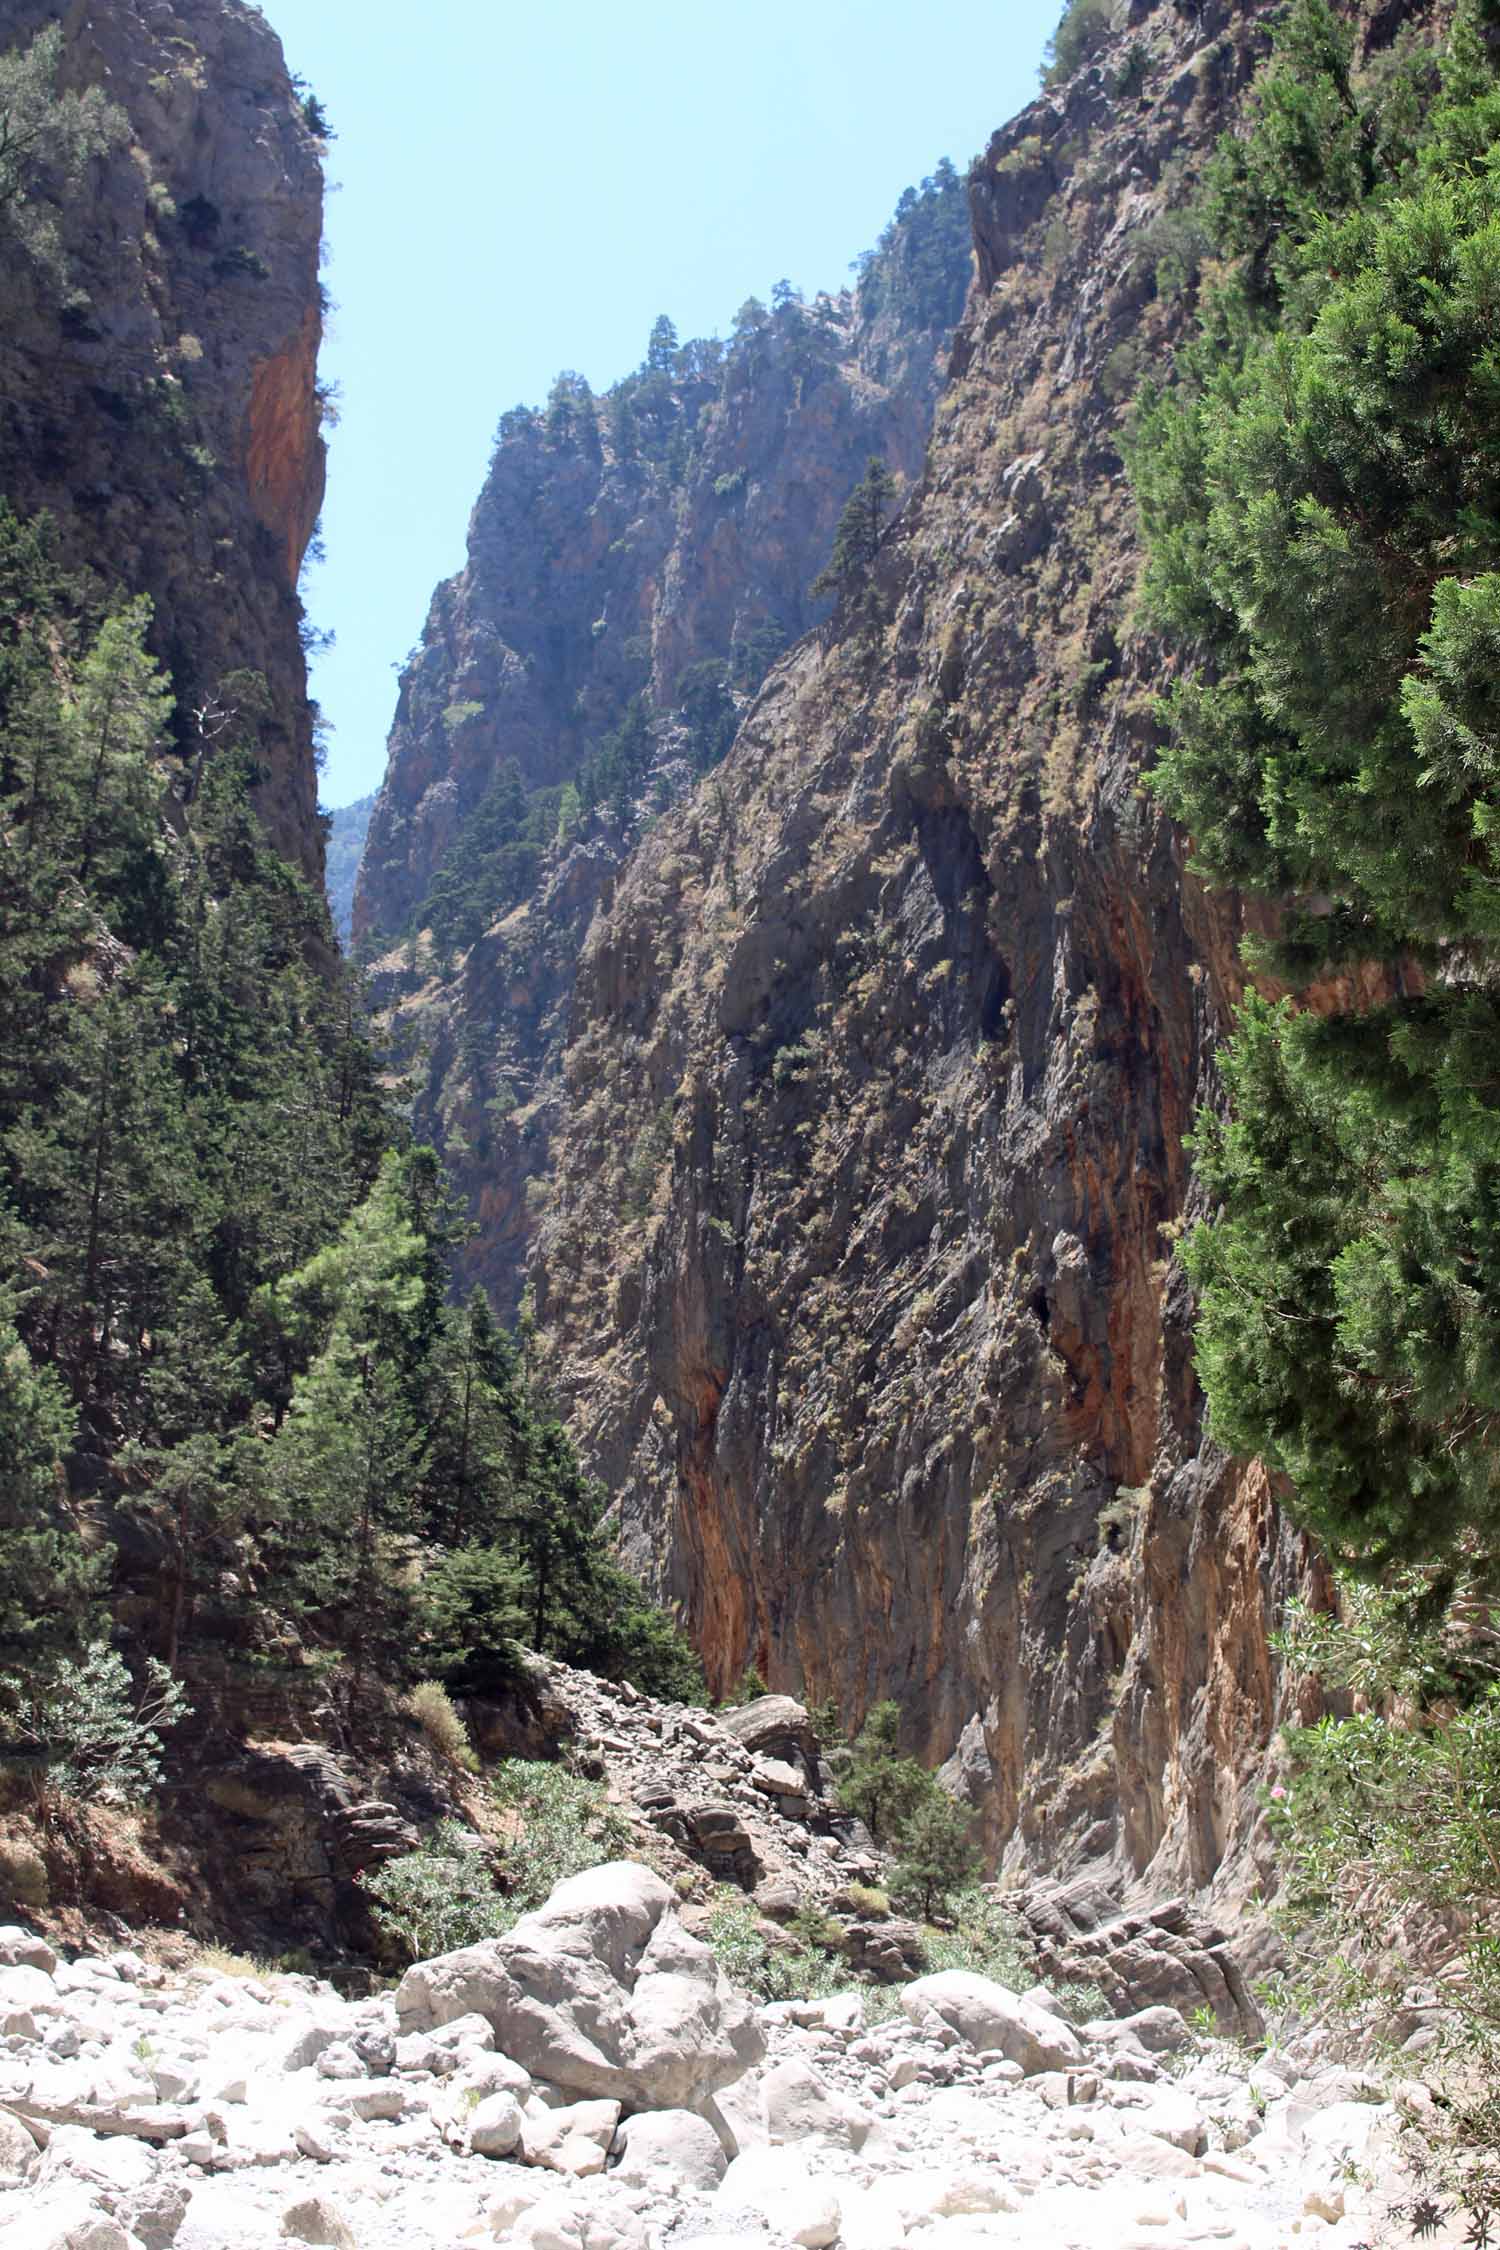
673 2141
575 2139
601 1992
495 2125
989 2017
776 2184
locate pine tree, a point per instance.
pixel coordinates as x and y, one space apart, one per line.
1320 491
849 571
346 1472
50 1582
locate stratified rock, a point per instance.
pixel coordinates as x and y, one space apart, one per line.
1167 1956
601 1991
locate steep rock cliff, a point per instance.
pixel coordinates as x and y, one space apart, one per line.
634 565
860 1260
158 381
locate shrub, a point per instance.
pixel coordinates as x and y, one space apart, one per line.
438 1897
748 1688
95 1734
1083 30
431 1706
779 1968
985 1939
567 1824
936 1854
879 1786
865 1901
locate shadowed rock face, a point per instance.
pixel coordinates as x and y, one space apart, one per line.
891 1364
159 396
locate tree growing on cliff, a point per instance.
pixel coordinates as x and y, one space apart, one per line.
849 571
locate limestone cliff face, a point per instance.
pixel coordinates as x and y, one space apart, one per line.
158 391
905 1017
620 548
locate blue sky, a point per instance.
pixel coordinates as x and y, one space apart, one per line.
521 189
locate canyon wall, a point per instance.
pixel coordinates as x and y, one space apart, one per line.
889 1359
158 376
639 559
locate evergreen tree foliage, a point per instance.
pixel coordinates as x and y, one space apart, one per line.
918 272
1320 490
880 1786
849 572
232 1388
935 1854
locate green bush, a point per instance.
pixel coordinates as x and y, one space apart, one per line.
879 1786
985 1939
94 1734
935 1854
789 1970
567 1824
431 1706
1083 30
438 1897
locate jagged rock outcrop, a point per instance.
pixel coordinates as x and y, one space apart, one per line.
619 548
158 381
889 1358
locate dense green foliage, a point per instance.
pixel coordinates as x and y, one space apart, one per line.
1082 30
231 1387
1320 490
918 272
909 1813
848 575
446 1893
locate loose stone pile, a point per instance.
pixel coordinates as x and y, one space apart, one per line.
592 2082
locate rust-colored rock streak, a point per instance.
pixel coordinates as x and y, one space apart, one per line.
285 464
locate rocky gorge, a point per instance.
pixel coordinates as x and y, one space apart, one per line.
591 2081
848 1193
765 918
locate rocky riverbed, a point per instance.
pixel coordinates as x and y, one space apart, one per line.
591 2081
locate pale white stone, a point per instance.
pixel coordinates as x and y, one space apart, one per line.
601 1991
671 2140
318 2219
987 2016
495 2125
776 2183
575 2140
22 1949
